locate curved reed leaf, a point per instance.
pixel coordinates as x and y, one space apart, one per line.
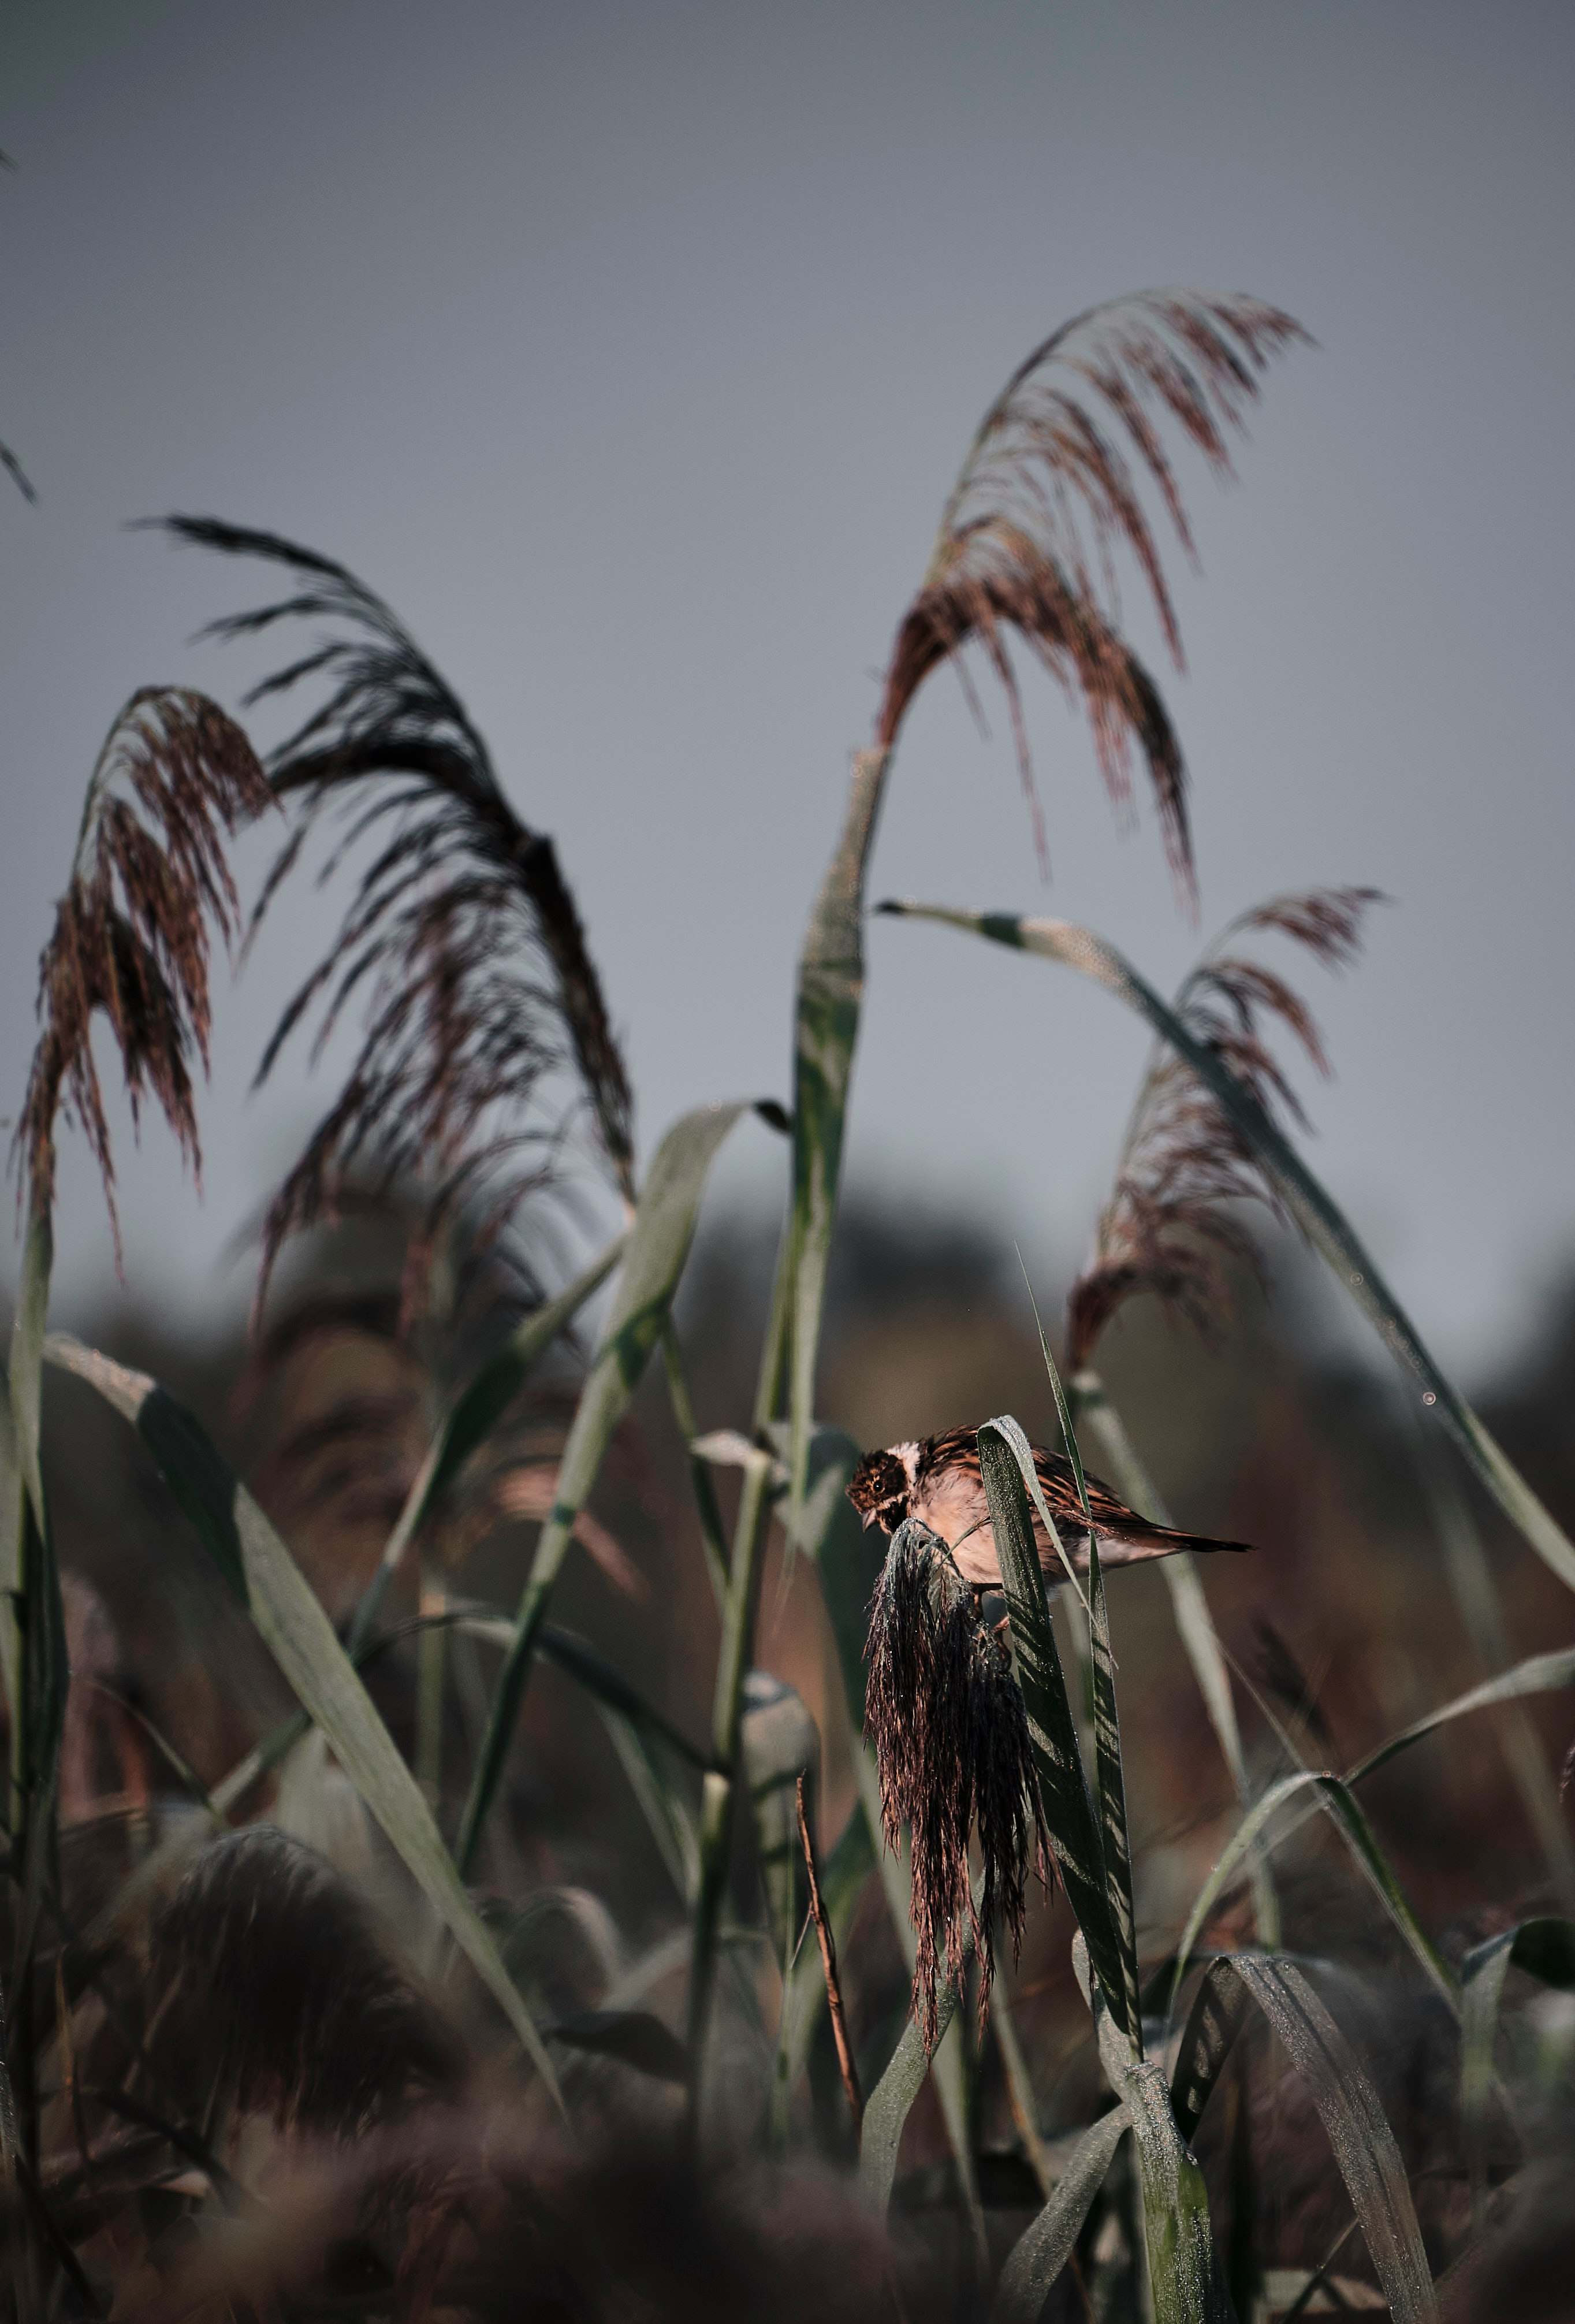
1537 1675
480 1404
1546 1949
1323 1224
1477 1597
300 1638
1357 2129
1006 1462
1193 1621
831 986
1219 2011
1111 1779
578 1659
653 1260
1333 1794
1043 2249
894 2094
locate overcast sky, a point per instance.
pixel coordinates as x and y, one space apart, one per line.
629 351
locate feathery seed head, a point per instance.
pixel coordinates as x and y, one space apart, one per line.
1169 1226
462 939
175 780
946 1718
1051 489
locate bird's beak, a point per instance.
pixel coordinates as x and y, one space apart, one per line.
867 1518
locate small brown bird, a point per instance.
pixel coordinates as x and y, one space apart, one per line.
938 1481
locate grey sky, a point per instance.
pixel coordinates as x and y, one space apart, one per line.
629 351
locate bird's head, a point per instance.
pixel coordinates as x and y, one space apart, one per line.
879 1486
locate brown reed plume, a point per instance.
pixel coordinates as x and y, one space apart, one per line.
1171 1224
1052 488
281 1970
462 931
945 1717
175 780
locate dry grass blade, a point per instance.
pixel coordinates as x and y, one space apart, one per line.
1170 1226
461 933
1051 491
149 880
945 1715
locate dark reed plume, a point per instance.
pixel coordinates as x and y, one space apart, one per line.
1169 1226
296 1990
175 780
945 1716
462 931
1051 489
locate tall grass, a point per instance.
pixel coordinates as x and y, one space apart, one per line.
212 1980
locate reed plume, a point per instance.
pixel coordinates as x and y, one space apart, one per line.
295 1986
462 932
1051 489
1171 1225
945 1716
175 781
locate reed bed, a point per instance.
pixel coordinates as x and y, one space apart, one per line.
322 2030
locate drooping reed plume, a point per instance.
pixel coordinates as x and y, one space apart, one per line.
175 781
1051 487
461 934
288 1981
945 1716
1172 1223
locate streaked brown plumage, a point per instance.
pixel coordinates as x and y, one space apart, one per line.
938 1480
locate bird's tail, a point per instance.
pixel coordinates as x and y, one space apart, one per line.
1134 1543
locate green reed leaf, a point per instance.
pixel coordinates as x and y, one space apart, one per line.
1220 2009
1333 1794
1176 2205
1538 1674
1043 2249
1006 1463
1109 1774
831 987
1357 2129
891 2099
297 1632
1121 1467
653 1260
1325 1225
